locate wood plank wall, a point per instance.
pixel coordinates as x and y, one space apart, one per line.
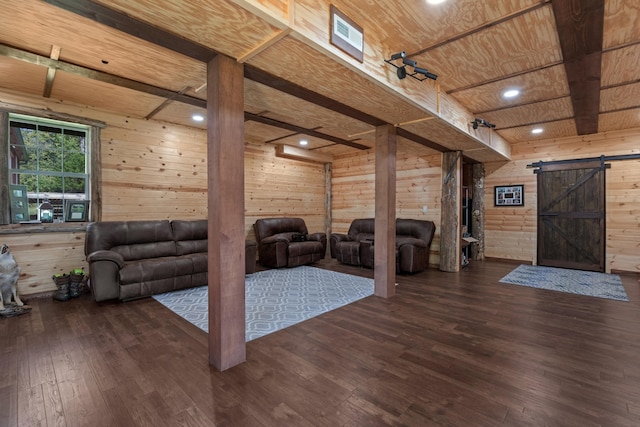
275 187
510 232
417 185
156 170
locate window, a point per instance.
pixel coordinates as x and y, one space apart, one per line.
49 164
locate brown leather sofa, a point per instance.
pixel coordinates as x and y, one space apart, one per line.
413 243
277 245
134 259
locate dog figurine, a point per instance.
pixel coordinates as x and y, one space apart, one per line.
9 274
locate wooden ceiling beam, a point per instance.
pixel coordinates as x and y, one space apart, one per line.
51 72
502 78
282 85
300 129
580 26
134 27
78 70
518 105
484 26
421 140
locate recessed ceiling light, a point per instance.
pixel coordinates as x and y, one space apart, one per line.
435 1
197 117
536 130
303 142
511 93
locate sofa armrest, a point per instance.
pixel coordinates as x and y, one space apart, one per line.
275 239
335 238
411 241
272 251
104 273
319 237
103 255
338 237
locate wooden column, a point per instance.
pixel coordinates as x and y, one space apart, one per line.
385 223
450 233
477 211
225 157
328 219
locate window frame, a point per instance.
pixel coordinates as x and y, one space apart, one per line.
93 165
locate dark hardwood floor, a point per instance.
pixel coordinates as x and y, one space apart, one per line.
450 349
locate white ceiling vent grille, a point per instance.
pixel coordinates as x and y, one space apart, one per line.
347 32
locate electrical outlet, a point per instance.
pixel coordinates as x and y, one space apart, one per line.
425 209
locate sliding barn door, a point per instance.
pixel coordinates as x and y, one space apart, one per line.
571 215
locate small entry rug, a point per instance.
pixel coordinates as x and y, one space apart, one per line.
589 283
276 299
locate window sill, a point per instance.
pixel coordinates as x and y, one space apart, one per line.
57 227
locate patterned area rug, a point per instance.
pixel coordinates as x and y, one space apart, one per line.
276 299
589 283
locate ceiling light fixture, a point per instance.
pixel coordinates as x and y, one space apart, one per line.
401 70
511 93
197 118
303 142
435 1
482 122
536 130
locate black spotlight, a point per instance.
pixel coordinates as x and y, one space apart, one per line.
397 55
409 62
401 72
425 73
482 122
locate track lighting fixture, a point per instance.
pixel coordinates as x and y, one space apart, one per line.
425 72
481 122
401 70
409 62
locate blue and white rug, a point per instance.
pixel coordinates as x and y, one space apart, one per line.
276 299
589 283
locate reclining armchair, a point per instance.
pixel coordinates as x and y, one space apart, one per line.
413 243
285 242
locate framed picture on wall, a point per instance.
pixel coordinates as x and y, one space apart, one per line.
509 195
19 203
76 210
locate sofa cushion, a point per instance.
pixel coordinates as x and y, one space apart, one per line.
296 249
190 236
147 270
362 226
270 226
348 252
416 228
131 239
408 240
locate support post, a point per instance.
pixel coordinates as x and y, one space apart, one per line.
328 218
385 222
225 157
477 211
450 232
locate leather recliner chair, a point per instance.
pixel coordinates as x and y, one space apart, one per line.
413 243
285 242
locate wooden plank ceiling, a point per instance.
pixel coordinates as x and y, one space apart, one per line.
575 63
